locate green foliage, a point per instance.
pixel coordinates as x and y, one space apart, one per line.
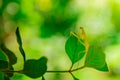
22 52
3 65
59 19
19 40
96 59
75 78
43 78
35 68
2 55
11 56
10 74
6 78
18 37
76 48
32 68
1 76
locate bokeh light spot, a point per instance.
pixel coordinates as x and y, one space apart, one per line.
45 5
12 8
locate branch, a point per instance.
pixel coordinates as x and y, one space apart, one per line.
12 71
65 71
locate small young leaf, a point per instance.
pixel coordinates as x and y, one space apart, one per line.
11 56
96 59
3 65
19 40
35 68
43 78
74 48
83 38
1 76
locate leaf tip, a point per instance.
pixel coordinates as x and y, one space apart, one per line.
17 29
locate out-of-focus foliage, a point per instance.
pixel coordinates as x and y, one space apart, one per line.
50 16
1 76
61 17
115 15
2 55
4 65
39 19
10 15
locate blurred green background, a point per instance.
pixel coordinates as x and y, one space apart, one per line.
45 27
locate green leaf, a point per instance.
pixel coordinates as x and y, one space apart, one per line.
74 49
22 52
104 68
3 65
35 68
1 76
19 40
11 56
2 55
96 59
43 78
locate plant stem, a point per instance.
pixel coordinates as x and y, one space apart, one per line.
72 75
78 68
65 71
71 67
11 71
58 71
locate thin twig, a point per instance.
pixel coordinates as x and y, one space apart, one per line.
12 71
58 71
78 68
70 68
66 70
